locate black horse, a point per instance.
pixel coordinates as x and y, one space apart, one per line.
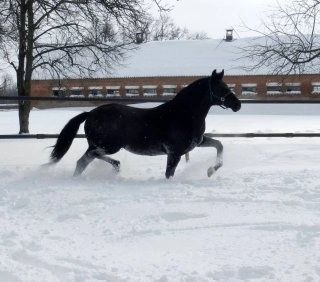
173 128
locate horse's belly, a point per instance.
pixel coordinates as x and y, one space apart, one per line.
154 150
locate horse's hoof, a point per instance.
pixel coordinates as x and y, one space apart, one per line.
211 170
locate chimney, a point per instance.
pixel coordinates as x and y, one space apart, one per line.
229 35
139 37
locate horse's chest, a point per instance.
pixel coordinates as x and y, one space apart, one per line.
194 137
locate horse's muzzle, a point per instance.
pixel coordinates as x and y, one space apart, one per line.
236 107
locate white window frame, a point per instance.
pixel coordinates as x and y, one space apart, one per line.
99 88
152 87
294 92
315 84
168 86
232 86
76 88
249 93
132 88
62 89
274 92
115 88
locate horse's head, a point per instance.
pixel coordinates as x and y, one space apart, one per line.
221 94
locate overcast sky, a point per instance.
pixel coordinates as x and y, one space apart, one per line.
214 16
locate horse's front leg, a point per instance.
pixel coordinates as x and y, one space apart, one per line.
209 142
172 162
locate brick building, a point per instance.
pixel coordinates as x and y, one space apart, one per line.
162 68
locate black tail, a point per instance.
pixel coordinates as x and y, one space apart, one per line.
66 137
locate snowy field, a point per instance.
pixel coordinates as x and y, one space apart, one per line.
256 219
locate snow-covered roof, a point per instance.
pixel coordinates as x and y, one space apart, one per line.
179 58
186 58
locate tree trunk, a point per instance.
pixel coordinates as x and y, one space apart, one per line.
24 108
24 112
25 80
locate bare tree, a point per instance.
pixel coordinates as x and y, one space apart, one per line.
7 86
164 28
199 35
290 41
60 36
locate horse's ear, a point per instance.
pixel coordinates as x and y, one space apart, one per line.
220 75
217 76
214 74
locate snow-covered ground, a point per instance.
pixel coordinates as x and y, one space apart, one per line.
258 218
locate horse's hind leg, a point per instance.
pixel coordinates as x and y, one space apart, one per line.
100 154
209 142
84 161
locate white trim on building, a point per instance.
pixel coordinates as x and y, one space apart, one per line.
273 84
76 88
169 86
149 86
293 84
59 88
248 84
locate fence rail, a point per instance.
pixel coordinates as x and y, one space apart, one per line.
214 135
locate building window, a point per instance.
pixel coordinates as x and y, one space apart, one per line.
249 89
132 91
293 88
95 91
274 88
113 91
316 88
169 90
76 92
232 87
59 91
150 90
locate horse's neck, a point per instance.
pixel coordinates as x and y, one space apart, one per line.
189 103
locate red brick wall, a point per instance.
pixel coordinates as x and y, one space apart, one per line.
44 87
